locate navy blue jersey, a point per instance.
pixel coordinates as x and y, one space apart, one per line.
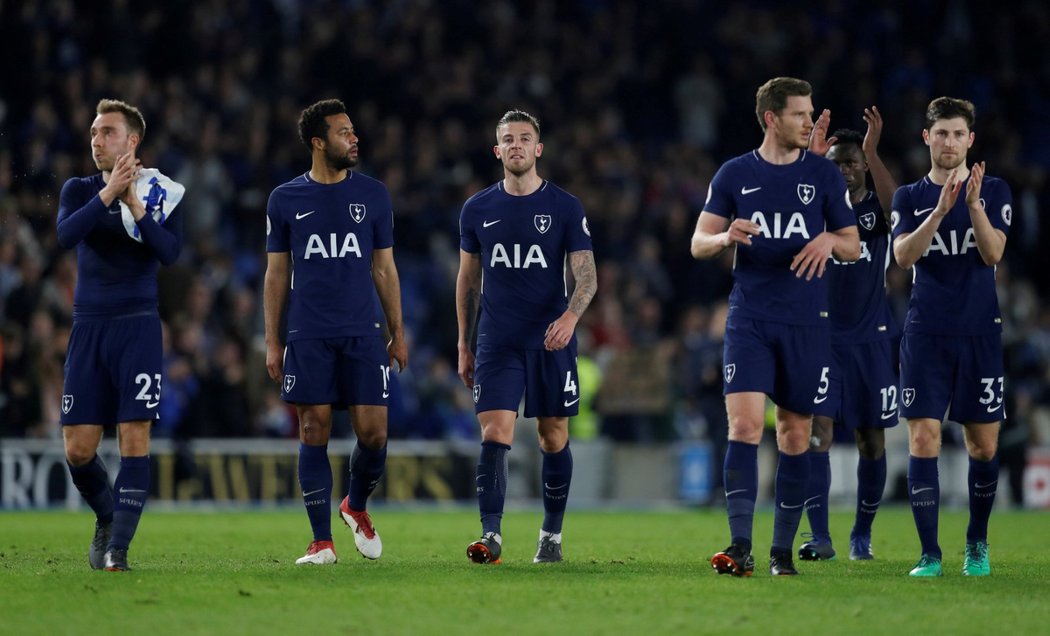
523 242
793 204
330 231
953 291
116 275
860 311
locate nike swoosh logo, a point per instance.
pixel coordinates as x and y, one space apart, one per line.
870 505
811 499
733 492
922 211
488 223
991 483
749 190
117 211
386 394
549 487
568 403
916 491
993 408
787 507
819 400
480 476
313 492
303 215
127 490
152 405
887 416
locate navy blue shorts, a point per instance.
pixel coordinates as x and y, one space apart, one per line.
789 363
113 371
963 372
349 371
864 390
547 379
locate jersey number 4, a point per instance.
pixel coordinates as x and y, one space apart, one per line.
570 384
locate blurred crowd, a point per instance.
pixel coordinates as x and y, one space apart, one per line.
639 103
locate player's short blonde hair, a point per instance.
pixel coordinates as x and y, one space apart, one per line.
517 115
773 95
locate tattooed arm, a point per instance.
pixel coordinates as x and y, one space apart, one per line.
468 297
559 332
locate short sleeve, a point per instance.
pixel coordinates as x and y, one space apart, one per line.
903 219
578 233
720 199
998 205
276 227
468 236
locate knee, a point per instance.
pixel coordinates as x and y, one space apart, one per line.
312 432
925 443
553 441
821 438
983 452
372 439
497 429
870 447
743 429
79 455
793 441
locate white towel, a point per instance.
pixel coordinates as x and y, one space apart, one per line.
159 195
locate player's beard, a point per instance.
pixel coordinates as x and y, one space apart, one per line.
519 169
339 162
951 162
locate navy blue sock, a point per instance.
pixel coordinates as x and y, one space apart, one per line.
871 482
557 474
492 484
92 481
817 490
740 476
366 468
924 492
130 492
315 480
982 478
790 498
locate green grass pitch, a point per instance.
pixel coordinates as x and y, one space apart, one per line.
626 572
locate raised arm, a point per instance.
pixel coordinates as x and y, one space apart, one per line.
468 298
991 242
559 332
388 287
819 143
275 295
74 223
908 248
885 186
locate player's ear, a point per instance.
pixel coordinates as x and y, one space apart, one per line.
970 144
317 143
539 149
926 136
495 151
769 117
